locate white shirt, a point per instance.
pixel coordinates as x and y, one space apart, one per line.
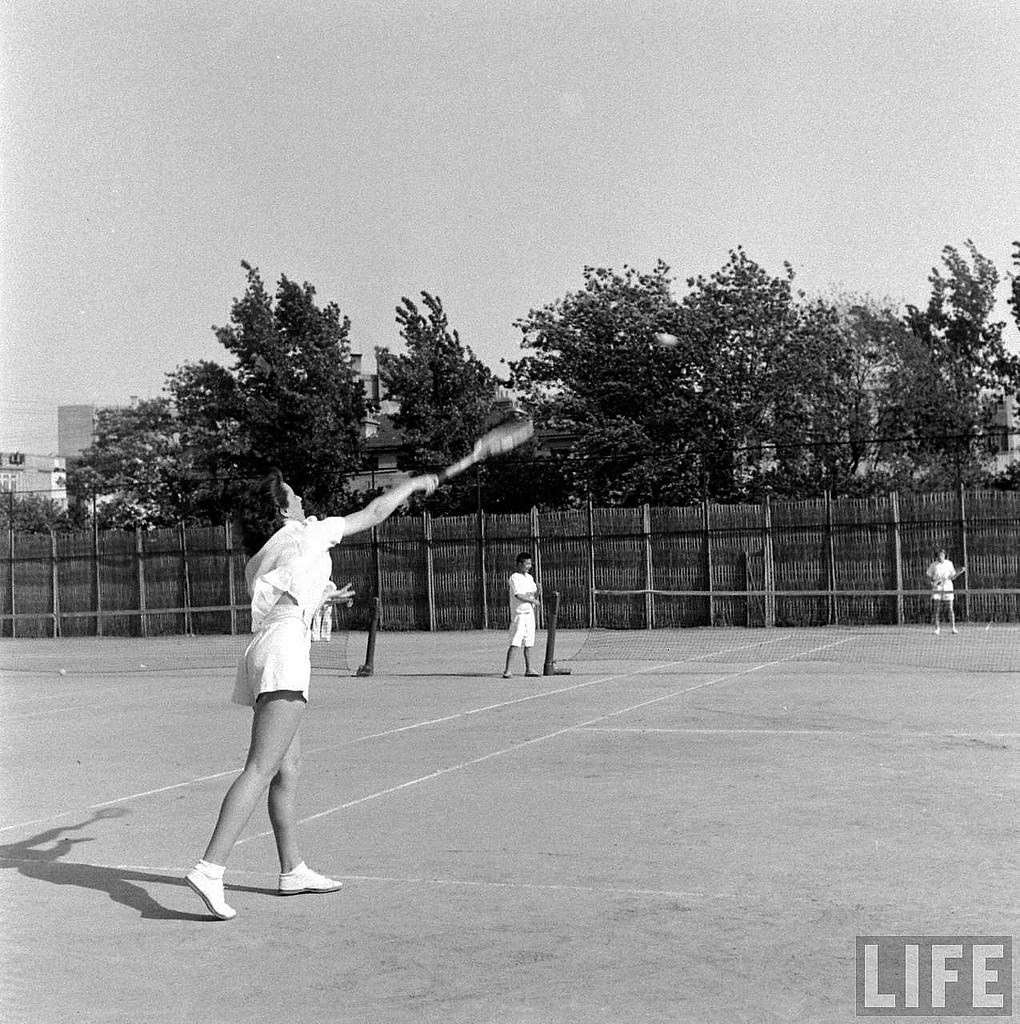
294 561
941 575
522 584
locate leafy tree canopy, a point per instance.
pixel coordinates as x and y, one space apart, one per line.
33 513
750 371
446 396
949 373
131 473
293 398
290 398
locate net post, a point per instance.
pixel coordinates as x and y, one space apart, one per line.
368 668
549 666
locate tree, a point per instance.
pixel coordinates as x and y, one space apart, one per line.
1014 285
209 416
951 371
596 378
292 397
858 440
771 412
132 472
732 409
33 513
445 393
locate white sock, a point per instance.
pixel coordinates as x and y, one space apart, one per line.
211 870
300 869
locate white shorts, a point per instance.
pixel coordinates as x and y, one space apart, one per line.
942 595
278 658
522 629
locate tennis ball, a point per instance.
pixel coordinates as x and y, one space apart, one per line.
665 340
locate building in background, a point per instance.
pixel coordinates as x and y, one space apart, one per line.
1005 437
76 428
42 476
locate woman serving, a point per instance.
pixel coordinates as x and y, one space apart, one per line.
287 574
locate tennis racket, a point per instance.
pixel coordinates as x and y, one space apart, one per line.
504 438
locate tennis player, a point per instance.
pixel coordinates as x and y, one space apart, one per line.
286 577
941 574
523 602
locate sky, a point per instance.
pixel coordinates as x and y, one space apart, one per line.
484 151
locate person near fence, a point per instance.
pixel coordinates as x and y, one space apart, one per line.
941 574
524 600
286 574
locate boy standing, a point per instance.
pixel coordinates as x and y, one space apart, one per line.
941 574
523 601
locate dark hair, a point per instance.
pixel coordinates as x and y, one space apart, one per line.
524 556
258 518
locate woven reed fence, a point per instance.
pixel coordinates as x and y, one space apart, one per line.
777 563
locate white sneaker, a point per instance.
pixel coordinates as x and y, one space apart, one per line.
304 879
936 631
956 632
211 891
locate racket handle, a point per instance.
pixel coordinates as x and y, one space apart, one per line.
457 467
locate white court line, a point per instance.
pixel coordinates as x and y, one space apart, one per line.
904 734
447 718
53 711
515 747
175 873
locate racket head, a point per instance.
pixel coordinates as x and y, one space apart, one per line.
504 438
501 439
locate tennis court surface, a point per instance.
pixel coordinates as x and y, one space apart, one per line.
696 837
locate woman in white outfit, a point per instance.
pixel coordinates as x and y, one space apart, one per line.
286 579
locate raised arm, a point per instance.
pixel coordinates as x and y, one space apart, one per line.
379 510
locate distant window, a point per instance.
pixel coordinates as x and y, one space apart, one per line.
998 441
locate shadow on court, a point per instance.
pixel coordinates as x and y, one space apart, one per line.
42 857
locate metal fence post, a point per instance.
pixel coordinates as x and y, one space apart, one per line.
228 543
55 578
143 621
430 582
646 529
894 503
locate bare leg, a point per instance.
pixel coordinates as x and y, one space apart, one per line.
527 661
951 615
506 667
283 806
277 717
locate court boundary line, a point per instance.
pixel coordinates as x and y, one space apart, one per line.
175 874
906 734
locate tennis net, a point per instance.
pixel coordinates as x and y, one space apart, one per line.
863 627
346 649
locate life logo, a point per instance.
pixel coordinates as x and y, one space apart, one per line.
934 976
